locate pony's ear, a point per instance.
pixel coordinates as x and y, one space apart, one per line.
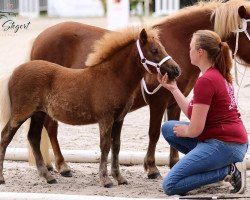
143 36
242 12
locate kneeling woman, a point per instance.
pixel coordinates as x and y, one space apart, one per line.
215 140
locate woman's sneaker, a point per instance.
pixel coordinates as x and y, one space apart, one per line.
238 177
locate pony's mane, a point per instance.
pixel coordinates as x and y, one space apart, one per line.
227 19
225 14
113 41
200 5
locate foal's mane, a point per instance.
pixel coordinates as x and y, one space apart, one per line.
113 41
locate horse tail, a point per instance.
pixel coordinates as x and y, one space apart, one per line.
5 106
44 146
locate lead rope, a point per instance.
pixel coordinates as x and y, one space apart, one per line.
144 62
144 88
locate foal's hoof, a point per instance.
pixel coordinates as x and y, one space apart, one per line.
66 174
52 181
154 175
108 185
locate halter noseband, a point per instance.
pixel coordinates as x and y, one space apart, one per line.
144 60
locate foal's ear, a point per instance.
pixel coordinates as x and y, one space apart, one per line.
242 12
143 36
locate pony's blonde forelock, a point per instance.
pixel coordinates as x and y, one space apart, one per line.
226 17
112 41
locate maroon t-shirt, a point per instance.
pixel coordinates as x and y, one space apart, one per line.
223 119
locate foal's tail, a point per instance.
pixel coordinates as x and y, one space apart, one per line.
5 106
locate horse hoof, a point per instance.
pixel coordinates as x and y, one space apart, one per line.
2 182
109 185
123 183
66 174
154 175
50 168
52 181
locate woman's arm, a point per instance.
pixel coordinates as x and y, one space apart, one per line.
181 100
199 111
197 122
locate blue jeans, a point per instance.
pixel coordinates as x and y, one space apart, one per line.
204 163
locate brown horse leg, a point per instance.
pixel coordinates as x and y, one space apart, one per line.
61 166
6 136
115 148
156 113
105 145
173 113
34 137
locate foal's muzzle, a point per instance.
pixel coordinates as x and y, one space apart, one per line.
173 71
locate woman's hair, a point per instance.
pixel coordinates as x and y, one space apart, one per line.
217 51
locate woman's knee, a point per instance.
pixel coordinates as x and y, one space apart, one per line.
168 187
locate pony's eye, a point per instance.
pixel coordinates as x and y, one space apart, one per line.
154 51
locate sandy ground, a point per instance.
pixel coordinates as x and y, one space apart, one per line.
20 177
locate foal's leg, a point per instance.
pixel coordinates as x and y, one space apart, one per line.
6 136
34 137
173 113
115 148
52 128
157 109
105 144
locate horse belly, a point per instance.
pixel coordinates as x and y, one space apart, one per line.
72 117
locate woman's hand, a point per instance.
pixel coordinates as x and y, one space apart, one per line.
180 130
169 85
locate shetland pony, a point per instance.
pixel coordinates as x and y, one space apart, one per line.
102 93
69 49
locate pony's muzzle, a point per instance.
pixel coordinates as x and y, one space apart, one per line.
173 71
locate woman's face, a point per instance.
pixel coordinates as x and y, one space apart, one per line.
193 52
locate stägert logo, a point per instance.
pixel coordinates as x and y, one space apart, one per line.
8 23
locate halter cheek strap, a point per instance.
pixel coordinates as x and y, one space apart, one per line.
240 30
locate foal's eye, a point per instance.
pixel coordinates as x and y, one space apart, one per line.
154 51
